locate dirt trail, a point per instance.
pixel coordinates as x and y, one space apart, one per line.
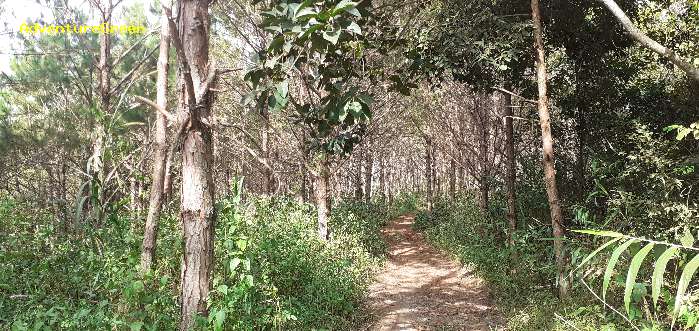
422 289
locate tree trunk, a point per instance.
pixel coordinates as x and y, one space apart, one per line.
382 178
322 198
96 166
581 130
368 176
428 170
484 133
511 168
268 175
358 191
155 202
452 179
197 210
436 179
548 155
304 190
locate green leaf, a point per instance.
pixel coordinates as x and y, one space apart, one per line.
249 280
354 28
219 319
600 233
612 263
137 286
683 132
633 272
136 326
223 289
687 239
591 255
242 244
657 279
283 88
234 263
332 36
683 284
305 12
344 5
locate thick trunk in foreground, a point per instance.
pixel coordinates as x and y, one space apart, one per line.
160 153
548 159
511 168
322 188
197 199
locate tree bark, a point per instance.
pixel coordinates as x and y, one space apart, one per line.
197 198
268 175
452 179
358 190
647 42
96 166
511 168
368 176
322 199
429 171
484 133
548 155
382 177
155 202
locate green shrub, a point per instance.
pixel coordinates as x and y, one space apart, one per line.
276 273
81 279
271 270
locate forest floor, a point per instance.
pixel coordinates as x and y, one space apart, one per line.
422 289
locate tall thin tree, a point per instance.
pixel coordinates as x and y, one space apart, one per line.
160 151
548 155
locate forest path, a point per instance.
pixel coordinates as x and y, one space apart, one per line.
422 289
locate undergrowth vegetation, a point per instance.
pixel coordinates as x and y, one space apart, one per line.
521 279
272 271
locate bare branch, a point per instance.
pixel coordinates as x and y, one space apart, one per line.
635 33
155 106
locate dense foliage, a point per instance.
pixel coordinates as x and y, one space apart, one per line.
273 272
